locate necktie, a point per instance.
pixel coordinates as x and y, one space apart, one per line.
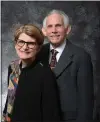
53 59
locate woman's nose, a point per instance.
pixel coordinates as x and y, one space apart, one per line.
25 46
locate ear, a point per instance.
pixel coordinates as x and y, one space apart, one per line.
44 31
68 29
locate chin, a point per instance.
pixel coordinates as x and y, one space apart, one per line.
25 57
55 41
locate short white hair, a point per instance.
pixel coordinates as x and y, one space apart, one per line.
65 17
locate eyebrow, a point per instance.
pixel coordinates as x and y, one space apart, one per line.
50 25
25 41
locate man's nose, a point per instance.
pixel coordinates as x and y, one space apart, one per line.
54 30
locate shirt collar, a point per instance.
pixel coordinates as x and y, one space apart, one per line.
60 48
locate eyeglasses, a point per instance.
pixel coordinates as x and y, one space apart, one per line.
21 43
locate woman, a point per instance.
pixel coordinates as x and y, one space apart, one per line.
32 91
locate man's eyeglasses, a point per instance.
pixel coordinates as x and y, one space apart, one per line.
21 43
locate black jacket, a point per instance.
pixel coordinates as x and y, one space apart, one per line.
36 97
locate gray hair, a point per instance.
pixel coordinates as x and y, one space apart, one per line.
65 17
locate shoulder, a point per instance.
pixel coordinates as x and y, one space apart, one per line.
45 47
45 68
82 58
47 76
80 52
14 64
17 61
44 52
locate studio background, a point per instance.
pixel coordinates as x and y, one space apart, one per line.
84 18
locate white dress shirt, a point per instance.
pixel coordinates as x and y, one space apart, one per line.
59 49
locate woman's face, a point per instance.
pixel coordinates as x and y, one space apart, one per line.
26 47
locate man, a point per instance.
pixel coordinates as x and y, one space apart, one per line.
73 70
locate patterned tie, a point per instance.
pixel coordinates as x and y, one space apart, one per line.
53 59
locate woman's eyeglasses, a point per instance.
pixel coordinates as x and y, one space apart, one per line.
21 43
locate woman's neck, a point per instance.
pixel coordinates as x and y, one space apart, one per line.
27 62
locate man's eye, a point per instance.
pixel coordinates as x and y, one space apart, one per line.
49 26
58 25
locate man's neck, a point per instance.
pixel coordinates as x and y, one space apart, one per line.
58 45
62 45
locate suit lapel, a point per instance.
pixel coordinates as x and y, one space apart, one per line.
65 59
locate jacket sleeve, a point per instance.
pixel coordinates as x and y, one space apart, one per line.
5 108
50 97
85 88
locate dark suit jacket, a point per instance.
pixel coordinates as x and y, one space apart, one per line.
36 97
74 76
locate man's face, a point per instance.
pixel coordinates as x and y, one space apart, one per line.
26 47
55 30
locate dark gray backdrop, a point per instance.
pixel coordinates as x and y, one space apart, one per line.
84 18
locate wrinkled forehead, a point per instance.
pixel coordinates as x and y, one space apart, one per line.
54 19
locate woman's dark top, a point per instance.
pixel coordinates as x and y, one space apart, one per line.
36 97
